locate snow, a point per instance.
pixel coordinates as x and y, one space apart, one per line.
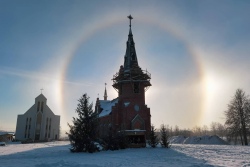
107 105
211 140
55 154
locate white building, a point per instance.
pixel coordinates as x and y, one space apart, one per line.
38 123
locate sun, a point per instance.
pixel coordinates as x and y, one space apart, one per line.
212 88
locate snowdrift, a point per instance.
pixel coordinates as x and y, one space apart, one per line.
208 140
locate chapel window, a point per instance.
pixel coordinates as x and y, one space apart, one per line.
38 106
42 106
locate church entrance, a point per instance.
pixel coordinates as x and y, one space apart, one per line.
136 138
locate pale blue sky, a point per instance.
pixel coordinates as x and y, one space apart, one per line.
197 53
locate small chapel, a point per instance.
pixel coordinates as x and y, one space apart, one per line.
128 113
38 123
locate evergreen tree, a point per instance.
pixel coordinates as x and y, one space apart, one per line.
82 134
164 136
153 140
115 141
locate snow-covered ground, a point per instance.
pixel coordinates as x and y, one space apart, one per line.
57 154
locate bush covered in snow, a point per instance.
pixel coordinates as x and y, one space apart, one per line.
210 140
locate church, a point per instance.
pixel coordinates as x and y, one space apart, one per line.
127 113
39 123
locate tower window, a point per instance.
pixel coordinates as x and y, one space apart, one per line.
38 106
136 87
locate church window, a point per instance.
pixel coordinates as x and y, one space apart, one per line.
38 106
47 120
136 107
42 106
136 87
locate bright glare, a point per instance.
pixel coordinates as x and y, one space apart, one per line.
213 85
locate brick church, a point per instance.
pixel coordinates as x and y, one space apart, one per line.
127 113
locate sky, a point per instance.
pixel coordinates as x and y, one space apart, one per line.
196 51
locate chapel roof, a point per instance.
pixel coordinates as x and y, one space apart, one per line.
41 96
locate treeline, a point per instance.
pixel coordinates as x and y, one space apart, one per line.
215 128
235 130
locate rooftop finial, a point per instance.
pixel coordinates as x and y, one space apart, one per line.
105 93
41 91
130 18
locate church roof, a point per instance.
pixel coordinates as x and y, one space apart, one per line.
106 106
41 96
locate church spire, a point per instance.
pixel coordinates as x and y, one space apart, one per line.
130 58
105 93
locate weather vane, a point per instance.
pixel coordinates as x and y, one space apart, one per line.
130 18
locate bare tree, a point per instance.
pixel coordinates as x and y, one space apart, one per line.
217 129
213 128
238 116
197 131
204 130
176 130
220 130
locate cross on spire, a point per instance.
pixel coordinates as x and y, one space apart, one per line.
41 91
130 18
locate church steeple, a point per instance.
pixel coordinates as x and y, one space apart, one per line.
130 58
105 93
131 80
